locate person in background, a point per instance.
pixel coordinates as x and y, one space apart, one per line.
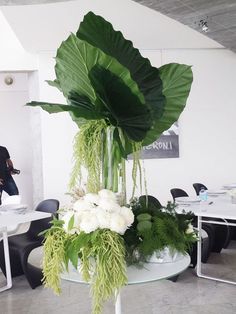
7 183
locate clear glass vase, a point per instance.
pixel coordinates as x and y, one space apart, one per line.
166 255
113 165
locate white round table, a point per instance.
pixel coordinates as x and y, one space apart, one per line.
150 272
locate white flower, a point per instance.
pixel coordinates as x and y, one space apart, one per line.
128 215
89 222
82 205
92 198
109 205
107 194
103 217
190 229
118 223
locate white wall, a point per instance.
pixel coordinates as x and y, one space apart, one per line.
15 131
57 135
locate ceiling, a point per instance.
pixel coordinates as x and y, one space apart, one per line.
25 2
220 15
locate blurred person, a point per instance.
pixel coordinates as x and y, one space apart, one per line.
7 183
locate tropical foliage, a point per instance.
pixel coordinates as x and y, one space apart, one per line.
156 227
105 79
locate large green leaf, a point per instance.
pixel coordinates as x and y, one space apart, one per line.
125 109
56 108
54 83
52 107
177 80
75 58
98 32
85 109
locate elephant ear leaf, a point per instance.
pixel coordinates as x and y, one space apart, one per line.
125 109
56 108
74 60
99 33
85 109
52 107
54 83
177 80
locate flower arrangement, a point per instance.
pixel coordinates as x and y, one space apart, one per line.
98 211
156 227
120 103
90 231
101 237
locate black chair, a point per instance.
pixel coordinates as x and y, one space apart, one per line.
198 187
21 245
223 234
207 242
149 199
176 192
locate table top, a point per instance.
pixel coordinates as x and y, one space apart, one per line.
150 271
12 218
215 207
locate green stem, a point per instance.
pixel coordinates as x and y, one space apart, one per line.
123 183
123 172
110 157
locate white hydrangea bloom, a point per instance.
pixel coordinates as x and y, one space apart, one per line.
109 205
82 205
107 194
92 198
100 210
104 218
89 222
128 215
118 223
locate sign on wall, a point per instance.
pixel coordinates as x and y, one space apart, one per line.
167 146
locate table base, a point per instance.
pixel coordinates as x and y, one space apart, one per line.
199 250
118 304
7 261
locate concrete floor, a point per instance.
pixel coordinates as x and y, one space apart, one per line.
188 295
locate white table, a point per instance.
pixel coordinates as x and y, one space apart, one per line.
150 272
214 208
11 218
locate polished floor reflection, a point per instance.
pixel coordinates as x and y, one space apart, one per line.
189 295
